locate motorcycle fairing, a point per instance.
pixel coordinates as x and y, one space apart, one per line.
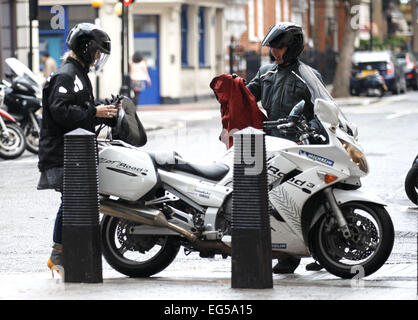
21 70
204 193
344 196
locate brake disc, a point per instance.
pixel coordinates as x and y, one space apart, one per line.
134 242
362 243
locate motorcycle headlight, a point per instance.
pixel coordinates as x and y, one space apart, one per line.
356 156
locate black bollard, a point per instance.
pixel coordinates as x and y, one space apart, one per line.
251 237
82 255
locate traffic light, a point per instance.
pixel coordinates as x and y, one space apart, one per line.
127 2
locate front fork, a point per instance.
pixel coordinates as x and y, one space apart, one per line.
34 122
336 211
3 129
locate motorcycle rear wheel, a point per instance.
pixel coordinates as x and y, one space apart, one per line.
411 184
136 256
12 146
368 248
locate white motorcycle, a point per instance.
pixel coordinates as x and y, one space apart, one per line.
155 203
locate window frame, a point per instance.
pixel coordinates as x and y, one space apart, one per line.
202 31
184 35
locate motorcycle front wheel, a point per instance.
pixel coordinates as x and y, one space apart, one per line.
368 248
12 143
136 256
32 137
411 183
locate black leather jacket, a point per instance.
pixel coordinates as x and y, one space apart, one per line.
280 89
68 104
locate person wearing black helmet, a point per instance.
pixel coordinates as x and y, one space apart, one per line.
68 104
280 87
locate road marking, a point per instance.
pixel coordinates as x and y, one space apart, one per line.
401 114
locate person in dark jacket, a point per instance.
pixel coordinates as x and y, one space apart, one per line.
68 104
280 87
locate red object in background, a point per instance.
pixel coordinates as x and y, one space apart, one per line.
127 2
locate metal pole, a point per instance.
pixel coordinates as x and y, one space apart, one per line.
127 38
82 255
30 58
97 77
250 229
123 43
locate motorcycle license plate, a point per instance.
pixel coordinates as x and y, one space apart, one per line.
368 72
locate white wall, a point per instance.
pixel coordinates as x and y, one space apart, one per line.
22 36
111 77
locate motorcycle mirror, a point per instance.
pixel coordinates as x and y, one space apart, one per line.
297 111
326 111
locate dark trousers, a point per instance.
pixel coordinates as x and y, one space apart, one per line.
136 98
57 235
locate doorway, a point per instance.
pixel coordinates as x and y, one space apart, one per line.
146 41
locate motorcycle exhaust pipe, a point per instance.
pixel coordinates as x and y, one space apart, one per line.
156 218
143 215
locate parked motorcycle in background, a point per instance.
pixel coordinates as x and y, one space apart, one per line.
411 182
12 138
367 81
23 98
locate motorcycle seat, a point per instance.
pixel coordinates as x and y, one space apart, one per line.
172 161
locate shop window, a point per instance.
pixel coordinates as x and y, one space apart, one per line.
146 24
55 23
202 36
184 36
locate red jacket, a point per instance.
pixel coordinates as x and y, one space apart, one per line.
238 106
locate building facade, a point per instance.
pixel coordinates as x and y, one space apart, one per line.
14 34
321 20
182 40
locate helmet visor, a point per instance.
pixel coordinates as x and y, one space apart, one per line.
99 62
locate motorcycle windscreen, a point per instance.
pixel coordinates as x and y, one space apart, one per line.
318 91
21 70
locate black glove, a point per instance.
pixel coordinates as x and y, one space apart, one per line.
115 100
234 75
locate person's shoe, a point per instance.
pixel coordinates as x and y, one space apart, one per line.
314 266
55 260
286 265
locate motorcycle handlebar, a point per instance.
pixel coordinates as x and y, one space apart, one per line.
286 125
274 124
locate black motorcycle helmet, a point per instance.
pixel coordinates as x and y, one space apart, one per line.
87 41
286 34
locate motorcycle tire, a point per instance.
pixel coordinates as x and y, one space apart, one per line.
32 137
411 184
368 248
13 146
116 242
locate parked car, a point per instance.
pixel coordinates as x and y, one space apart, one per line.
409 63
390 74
